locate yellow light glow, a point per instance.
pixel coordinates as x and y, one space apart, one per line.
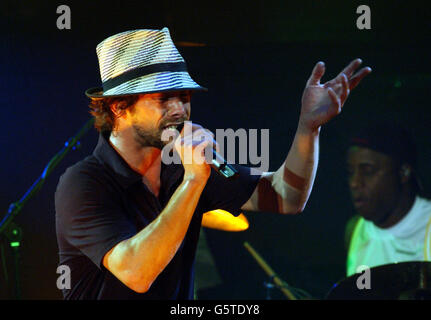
224 220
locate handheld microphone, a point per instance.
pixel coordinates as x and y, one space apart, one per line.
220 165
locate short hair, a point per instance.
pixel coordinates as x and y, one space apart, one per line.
100 108
392 139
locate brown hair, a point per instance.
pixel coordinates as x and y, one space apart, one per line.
100 108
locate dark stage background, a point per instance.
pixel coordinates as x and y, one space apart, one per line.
256 58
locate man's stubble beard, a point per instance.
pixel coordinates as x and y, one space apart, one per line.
153 138
148 138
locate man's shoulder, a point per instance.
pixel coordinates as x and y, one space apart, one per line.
88 169
351 225
422 209
426 202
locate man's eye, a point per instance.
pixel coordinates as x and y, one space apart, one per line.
368 170
161 99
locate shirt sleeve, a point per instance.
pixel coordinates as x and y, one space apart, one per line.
87 216
230 193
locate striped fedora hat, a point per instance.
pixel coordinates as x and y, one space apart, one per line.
140 61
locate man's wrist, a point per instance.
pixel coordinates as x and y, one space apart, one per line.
194 179
305 129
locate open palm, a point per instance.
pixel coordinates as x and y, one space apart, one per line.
322 102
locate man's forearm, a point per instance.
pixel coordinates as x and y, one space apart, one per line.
294 180
139 260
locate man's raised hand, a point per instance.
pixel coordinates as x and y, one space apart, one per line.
322 102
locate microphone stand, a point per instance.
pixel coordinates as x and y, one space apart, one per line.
9 229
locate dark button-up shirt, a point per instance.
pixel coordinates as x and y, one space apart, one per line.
100 201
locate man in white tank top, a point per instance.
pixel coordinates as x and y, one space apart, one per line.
393 222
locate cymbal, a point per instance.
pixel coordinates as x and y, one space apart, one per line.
397 281
224 220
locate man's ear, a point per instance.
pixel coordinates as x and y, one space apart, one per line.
117 108
405 172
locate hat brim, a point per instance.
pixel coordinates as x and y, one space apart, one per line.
97 92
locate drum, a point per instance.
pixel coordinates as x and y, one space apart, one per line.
397 281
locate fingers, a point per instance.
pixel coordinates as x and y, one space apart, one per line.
338 100
200 134
335 100
203 152
200 142
356 78
348 71
345 89
189 127
316 74
340 85
354 81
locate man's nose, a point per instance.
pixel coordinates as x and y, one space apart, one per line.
176 108
355 180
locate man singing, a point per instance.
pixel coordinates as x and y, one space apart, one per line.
127 223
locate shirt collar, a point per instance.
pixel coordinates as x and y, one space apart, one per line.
125 175
108 157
